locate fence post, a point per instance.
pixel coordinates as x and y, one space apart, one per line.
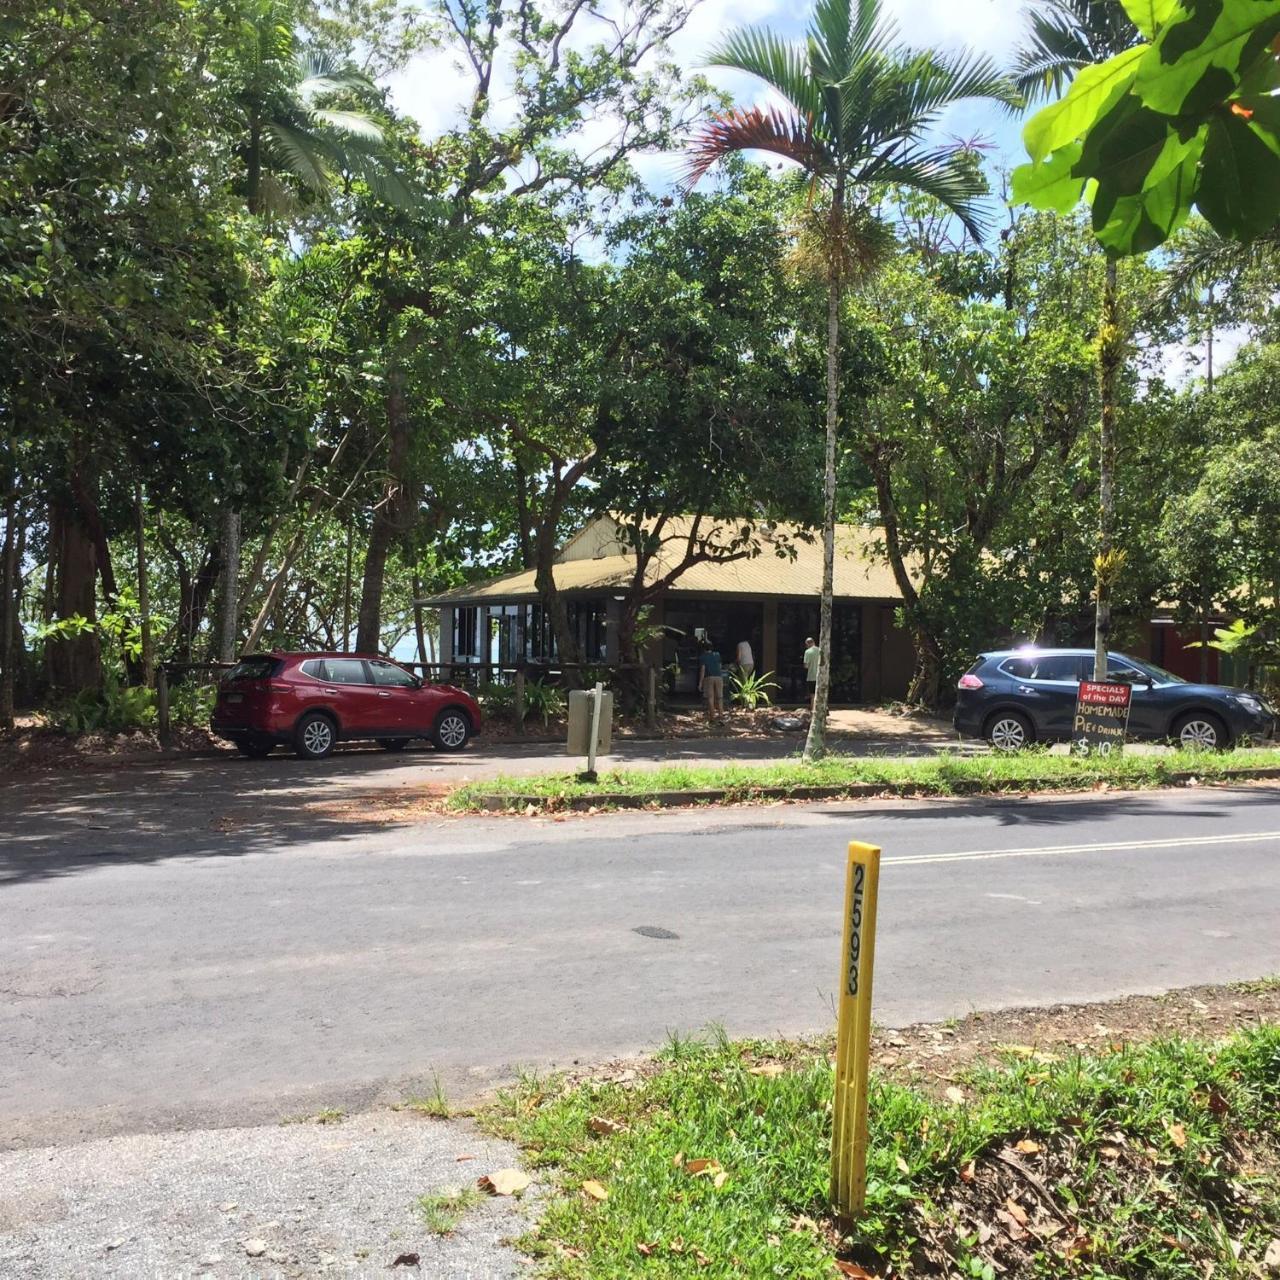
162 705
518 709
651 698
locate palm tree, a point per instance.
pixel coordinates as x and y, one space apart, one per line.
291 144
1064 37
856 108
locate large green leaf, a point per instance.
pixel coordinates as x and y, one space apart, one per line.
1150 15
1137 223
1240 180
1092 94
1050 184
1198 61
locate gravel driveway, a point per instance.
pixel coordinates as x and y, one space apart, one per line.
309 1199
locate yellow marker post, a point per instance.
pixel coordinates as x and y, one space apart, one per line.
853 1033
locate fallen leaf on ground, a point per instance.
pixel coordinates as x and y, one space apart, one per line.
1109 1152
1271 1259
770 1069
504 1182
852 1269
903 1166
1017 1050
645 1249
406 1260
596 1190
968 1172
603 1125
461 1158
677 1160
1012 1226
720 1179
1178 1136
954 1095
695 1167
1027 1148
1017 1211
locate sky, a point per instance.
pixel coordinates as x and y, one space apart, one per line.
434 88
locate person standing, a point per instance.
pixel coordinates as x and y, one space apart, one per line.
746 661
812 656
711 680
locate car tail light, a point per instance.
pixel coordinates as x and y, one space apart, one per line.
969 681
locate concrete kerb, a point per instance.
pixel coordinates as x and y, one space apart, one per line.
850 791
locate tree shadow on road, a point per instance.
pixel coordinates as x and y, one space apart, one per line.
56 824
1077 809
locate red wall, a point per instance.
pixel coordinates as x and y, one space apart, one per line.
1167 648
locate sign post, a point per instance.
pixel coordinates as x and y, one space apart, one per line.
853 1033
1102 718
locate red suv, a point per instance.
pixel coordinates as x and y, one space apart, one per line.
313 700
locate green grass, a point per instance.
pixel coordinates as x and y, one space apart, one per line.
1136 1195
435 1104
929 775
445 1209
1258 986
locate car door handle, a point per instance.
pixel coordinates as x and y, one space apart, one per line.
383 694
334 691
1025 688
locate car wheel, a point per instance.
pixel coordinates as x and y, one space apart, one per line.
394 744
452 730
315 736
1009 731
255 749
1200 731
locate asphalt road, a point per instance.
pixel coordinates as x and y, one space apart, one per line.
157 972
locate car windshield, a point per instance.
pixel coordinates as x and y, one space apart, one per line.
251 669
1162 676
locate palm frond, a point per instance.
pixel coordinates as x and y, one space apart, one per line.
781 64
781 133
938 172
1202 258
1064 36
914 92
303 154
352 124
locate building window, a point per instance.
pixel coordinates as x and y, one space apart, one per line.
464 632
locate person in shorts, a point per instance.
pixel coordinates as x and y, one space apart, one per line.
812 656
711 680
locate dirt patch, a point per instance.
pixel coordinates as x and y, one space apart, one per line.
386 806
931 1056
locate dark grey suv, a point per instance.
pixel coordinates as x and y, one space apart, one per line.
1020 696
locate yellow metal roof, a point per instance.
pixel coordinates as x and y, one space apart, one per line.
860 573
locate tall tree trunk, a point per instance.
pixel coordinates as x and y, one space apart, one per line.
553 602
388 517
8 606
73 661
815 743
1110 355
346 592
229 614
144 591
419 623
1208 347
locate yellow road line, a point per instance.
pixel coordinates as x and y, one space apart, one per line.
1044 851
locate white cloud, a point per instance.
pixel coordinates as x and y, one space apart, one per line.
435 89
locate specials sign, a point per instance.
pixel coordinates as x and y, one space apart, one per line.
1102 717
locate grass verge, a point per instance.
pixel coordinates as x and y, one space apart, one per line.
1158 1161
930 775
